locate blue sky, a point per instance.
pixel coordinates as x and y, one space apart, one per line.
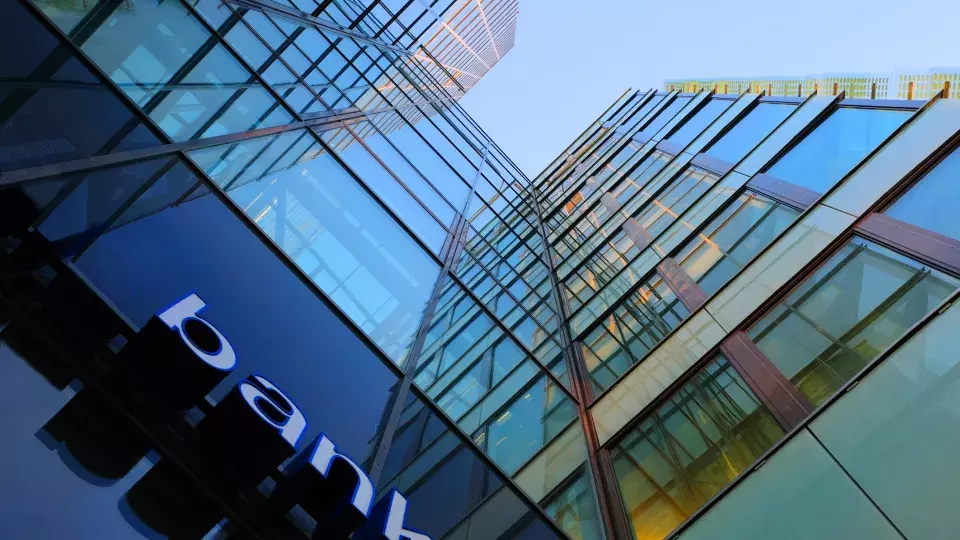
572 58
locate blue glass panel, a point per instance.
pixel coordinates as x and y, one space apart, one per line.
172 68
665 116
749 131
53 109
932 203
704 117
825 156
337 234
386 186
145 235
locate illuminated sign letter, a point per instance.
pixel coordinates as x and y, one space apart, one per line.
322 459
178 357
386 523
200 336
274 408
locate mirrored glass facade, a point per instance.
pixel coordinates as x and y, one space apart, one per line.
728 277
263 277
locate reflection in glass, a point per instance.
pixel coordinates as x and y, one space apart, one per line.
332 229
573 509
389 189
799 494
446 484
626 336
832 150
842 316
933 201
897 432
528 423
749 131
665 116
486 383
172 68
704 117
727 244
693 445
53 108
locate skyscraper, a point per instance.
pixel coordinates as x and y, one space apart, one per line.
758 291
263 277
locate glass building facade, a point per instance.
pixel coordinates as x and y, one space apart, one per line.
756 289
261 273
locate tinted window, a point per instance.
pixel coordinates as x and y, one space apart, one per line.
54 109
932 202
704 117
334 230
690 447
825 156
846 313
171 67
748 132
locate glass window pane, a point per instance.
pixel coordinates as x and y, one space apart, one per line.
693 127
337 234
849 310
733 239
54 109
573 509
832 150
174 70
800 493
401 167
665 116
896 433
933 201
411 145
749 131
530 422
624 338
692 446
385 185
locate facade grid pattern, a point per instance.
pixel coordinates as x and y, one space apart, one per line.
712 287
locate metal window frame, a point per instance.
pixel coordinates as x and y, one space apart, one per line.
179 150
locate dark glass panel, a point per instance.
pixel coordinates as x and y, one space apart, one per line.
53 109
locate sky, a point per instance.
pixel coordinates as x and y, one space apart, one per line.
572 59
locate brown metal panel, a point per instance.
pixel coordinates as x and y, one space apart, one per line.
777 393
712 164
782 190
680 282
928 246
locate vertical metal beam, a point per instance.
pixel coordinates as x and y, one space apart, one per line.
606 494
777 393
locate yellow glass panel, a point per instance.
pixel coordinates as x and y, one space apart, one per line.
655 373
554 464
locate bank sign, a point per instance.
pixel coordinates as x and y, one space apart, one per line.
257 427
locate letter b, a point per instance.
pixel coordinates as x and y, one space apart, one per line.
178 357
